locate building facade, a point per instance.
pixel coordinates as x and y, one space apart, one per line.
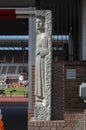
68 67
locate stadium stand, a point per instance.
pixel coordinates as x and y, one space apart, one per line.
13 60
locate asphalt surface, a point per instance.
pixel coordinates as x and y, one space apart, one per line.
15 118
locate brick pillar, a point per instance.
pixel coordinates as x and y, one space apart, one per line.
83 29
85 118
31 112
57 92
31 67
33 86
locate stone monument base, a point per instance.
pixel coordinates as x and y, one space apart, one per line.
41 112
46 125
73 120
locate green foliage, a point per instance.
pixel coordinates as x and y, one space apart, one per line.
23 91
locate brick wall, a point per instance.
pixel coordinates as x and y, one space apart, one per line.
33 86
65 92
68 110
85 118
74 120
57 91
72 99
46 125
31 112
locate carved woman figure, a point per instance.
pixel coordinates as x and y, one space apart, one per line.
41 51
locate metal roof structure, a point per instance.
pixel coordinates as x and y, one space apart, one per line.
14 41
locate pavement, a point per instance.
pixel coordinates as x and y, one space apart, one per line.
15 112
15 118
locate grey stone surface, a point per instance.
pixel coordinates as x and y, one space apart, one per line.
31 55
42 109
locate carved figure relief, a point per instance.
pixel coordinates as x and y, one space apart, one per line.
42 108
42 50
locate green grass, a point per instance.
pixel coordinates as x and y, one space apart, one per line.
19 91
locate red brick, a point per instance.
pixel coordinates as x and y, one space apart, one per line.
45 128
36 128
53 128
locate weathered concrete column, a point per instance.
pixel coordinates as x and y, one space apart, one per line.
31 56
42 108
83 29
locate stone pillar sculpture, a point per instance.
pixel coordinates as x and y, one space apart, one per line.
42 108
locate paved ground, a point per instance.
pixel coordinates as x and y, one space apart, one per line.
15 112
15 118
